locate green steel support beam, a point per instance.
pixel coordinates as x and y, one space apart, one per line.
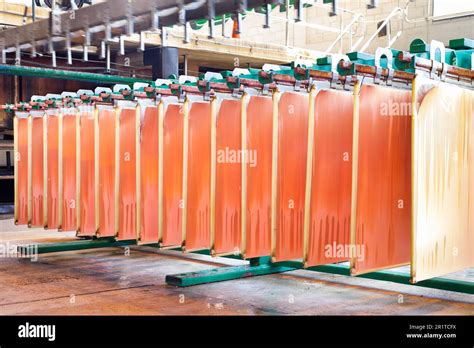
223 273
67 75
33 249
263 267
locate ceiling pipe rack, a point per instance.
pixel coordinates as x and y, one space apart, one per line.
107 22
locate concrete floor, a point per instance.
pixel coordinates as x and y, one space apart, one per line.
108 282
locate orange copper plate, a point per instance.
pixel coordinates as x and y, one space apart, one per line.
68 200
37 183
22 163
443 181
228 177
107 172
52 163
259 176
127 192
383 217
199 177
149 178
173 175
87 177
330 210
293 111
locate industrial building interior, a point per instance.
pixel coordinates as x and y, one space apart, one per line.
237 158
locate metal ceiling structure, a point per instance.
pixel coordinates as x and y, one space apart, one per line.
110 22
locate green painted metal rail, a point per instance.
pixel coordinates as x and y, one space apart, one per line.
33 249
238 272
67 75
223 273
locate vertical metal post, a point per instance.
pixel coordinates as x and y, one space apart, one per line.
187 29
223 25
414 159
245 158
142 41
96 169
108 57
30 162
213 172
299 11
185 107
210 16
161 116
275 98
16 159
185 65
117 172
309 175
334 9
138 185
87 42
121 45
268 9
33 10
45 170
78 172
211 28
60 171
355 171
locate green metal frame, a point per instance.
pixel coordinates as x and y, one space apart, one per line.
256 267
263 266
98 243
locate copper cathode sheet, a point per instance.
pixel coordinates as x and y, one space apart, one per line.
292 149
199 177
330 211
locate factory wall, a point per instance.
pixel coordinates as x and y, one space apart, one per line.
417 26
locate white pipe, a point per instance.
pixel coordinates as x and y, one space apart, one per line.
384 24
346 30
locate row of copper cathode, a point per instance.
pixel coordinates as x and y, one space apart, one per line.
181 169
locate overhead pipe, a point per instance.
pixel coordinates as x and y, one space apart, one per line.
66 75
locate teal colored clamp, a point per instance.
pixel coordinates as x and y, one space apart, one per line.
85 96
143 90
122 92
52 101
103 94
464 52
37 102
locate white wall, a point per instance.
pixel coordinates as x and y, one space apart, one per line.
417 26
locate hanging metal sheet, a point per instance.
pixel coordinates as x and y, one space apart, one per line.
37 169
106 171
293 109
172 175
21 168
443 179
199 177
86 190
331 176
380 235
149 179
127 195
68 198
52 168
229 156
259 177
